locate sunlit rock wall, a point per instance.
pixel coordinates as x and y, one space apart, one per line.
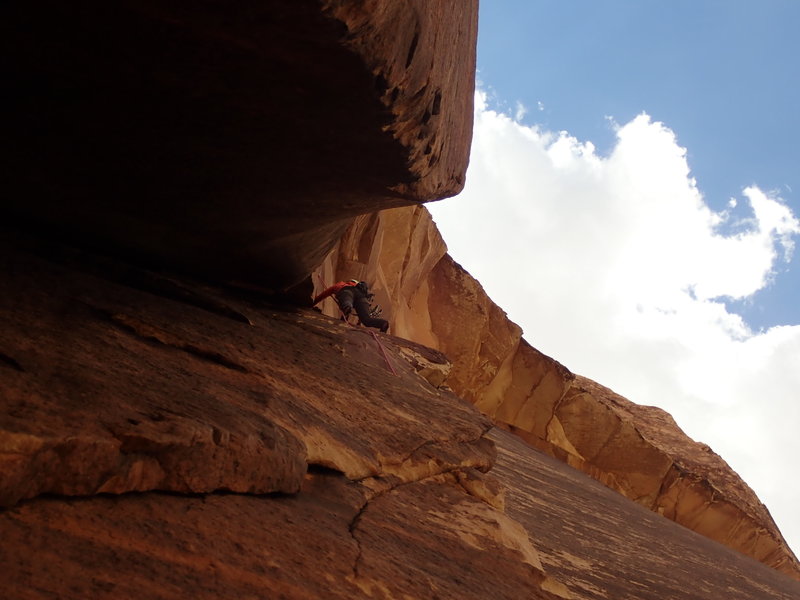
636 450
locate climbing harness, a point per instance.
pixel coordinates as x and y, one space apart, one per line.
346 319
374 336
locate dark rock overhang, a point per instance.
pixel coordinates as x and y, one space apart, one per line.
232 140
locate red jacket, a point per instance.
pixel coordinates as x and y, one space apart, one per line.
334 289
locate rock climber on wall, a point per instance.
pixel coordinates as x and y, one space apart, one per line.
354 294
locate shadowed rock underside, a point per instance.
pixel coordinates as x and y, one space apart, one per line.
235 141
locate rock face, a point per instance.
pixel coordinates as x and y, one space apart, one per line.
234 142
638 451
165 438
83 353
641 452
166 434
605 546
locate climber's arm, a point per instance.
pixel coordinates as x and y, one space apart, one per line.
324 295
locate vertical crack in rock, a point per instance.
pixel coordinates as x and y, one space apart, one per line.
412 49
471 525
376 487
553 418
353 525
439 459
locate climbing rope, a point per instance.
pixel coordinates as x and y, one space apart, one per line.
374 335
383 351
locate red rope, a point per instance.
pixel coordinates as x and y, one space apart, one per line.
383 351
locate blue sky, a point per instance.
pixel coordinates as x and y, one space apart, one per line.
723 75
610 139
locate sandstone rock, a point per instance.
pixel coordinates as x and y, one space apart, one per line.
602 545
701 492
438 524
113 388
394 503
420 540
395 251
169 546
426 524
637 450
642 453
422 55
166 437
232 141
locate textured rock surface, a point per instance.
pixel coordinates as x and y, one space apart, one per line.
603 545
642 453
636 450
422 55
111 390
326 542
232 141
166 438
394 504
119 381
155 436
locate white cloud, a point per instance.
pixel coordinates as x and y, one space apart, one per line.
614 265
520 112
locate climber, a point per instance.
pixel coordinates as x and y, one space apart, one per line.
354 294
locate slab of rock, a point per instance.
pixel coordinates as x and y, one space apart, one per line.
164 438
116 380
421 540
232 141
162 546
602 545
669 473
637 450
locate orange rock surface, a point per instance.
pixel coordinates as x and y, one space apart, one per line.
603 545
173 426
163 437
637 450
244 450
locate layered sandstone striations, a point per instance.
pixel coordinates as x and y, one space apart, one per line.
232 141
603 545
163 435
637 450
167 438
